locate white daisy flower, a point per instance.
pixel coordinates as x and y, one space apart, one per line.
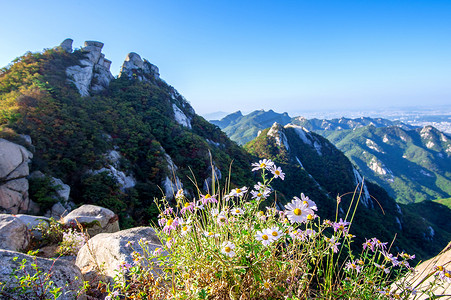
210 234
238 192
186 229
227 249
237 211
264 236
262 164
275 232
277 172
297 211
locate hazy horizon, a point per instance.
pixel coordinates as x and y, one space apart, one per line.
231 55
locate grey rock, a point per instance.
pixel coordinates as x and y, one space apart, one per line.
124 181
26 138
14 234
66 45
57 211
134 66
109 250
14 196
96 219
65 275
94 73
13 160
32 221
421 280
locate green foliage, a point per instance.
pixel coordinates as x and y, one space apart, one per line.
417 170
228 249
43 191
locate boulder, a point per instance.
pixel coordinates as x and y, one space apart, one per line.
14 196
109 250
94 218
58 211
63 274
14 169
33 221
14 160
423 270
14 234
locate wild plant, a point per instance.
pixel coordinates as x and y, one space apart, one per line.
30 281
226 246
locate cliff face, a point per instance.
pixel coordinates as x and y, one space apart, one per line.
93 72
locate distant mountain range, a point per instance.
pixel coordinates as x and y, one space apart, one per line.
412 163
243 128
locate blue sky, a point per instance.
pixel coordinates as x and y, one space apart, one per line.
281 55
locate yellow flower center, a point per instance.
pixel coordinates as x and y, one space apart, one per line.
275 233
262 165
361 262
305 203
448 275
259 195
266 285
185 228
210 233
207 196
265 237
238 191
277 172
261 213
353 265
227 249
297 211
169 222
309 217
237 211
186 204
440 268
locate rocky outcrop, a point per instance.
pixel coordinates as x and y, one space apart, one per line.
14 234
66 45
14 169
94 218
64 275
422 279
110 250
93 73
135 67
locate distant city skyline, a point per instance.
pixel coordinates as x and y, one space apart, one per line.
287 56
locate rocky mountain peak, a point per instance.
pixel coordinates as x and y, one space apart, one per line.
135 66
93 74
66 45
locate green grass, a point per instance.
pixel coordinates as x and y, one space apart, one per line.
446 202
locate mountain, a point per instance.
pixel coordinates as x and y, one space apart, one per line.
122 142
346 123
117 142
314 166
243 128
412 165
